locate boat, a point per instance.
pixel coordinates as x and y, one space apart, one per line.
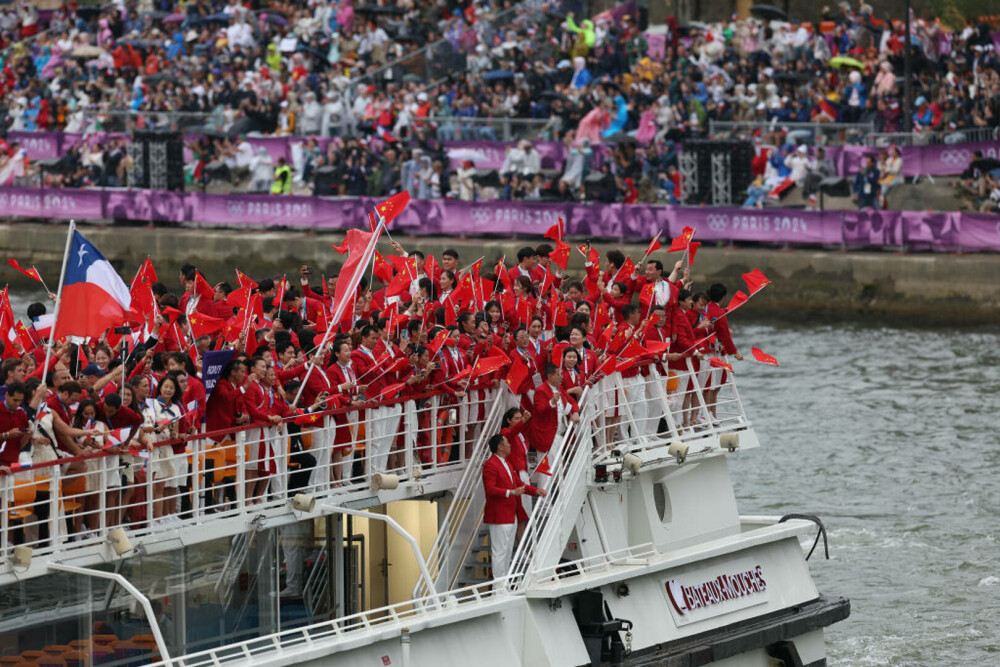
638 555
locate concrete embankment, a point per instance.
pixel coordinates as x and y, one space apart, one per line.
931 289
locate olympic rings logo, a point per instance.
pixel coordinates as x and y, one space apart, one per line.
718 222
954 157
481 215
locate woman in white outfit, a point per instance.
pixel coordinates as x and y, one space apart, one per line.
161 417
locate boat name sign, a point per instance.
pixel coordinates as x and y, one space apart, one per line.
717 595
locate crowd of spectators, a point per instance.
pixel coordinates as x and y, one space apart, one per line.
336 70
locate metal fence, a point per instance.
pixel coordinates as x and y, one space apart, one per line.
966 135
808 133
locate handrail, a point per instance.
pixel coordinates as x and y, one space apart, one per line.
342 630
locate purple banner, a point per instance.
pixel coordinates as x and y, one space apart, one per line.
213 362
491 154
912 229
933 159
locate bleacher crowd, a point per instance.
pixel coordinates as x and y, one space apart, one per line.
348 72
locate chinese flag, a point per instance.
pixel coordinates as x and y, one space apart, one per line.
382 268
502 274
601 316
693 250
633 349
654 245
763 357
244 280
476 267
431 266
756 281
203 325
738 300
681 242
393 206
486 365
439 341
517 374
307 419
657 346
646 295
147 272
391 391
202 288
623 273
543 467
561 319
555 232
24 336
450 317
350 275
624 365
608 366
557 353
592 256
497 352
719 363
560 256
238 298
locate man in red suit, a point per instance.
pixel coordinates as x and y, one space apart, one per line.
503 491
553 410
718 316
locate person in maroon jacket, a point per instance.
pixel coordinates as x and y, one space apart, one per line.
503 488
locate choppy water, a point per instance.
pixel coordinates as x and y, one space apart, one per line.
890 436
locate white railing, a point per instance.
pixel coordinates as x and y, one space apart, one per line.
60 511
339 632
464 515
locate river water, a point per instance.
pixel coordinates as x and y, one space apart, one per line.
890 436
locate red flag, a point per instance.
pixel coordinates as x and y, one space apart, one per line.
382 269
24 337
517 374
756 281
681 242
592 256
325 291
243 280
393 206
450 317
654 245
307 418
497 352
628 267
738 300
202 288
646 294
560 256
203 325
346 288
543 467
146 271
624 365
476 268
486 365
601 316
502 274
391 391
555 232
693 250
657 346
719 363
608 366
439 341
430 266
372 221
633 349
763 357
31 273
557 353
238 298
561 319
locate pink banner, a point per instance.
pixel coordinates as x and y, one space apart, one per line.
917 230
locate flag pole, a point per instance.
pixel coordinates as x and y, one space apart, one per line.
339 310
55 314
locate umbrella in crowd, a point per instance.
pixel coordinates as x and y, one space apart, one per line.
768 13
174 18
846 61
87 51
276 19
498 75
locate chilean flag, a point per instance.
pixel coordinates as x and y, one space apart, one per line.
94 298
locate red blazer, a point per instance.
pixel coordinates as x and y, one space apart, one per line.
366 373
721 324
496 483
224 405
518 457
544 418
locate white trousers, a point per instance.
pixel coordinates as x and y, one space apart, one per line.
635 398
384 424
502 547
